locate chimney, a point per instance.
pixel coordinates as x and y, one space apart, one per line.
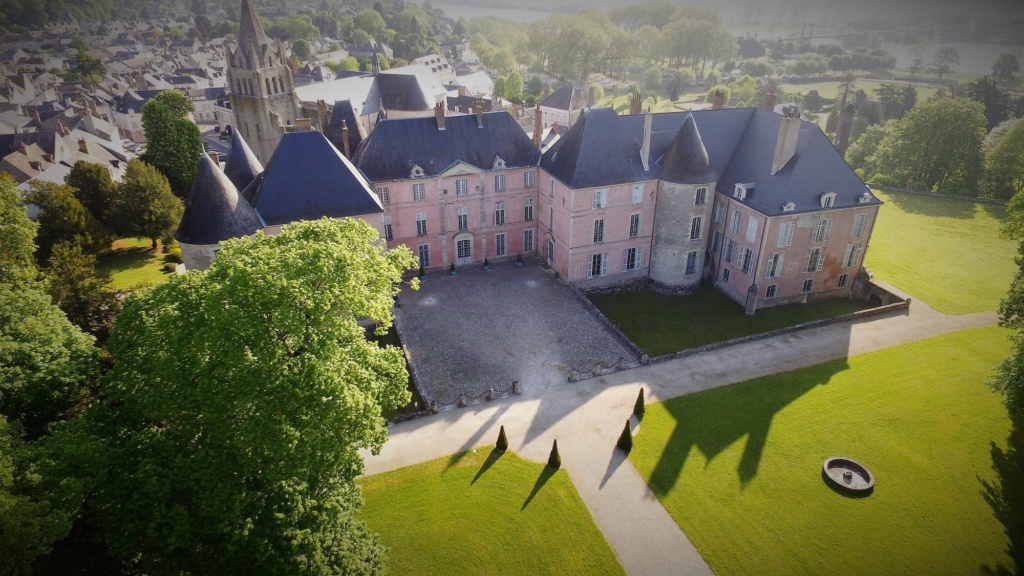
591 96
538 127
478 107
495 102
635 104
214 156
718 101
303 124
785 147
321 112
769 101
344 138
645 149
35 116
843 129
83 146
554 128
439 115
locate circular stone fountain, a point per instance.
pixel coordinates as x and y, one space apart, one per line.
848 475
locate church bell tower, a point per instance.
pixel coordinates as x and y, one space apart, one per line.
262 90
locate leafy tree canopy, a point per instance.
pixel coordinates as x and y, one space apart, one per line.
146 207
173 144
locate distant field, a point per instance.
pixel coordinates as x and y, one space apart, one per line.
739 468
471 514
947 252
834 88
132 263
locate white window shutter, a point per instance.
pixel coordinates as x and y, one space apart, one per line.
639 257
807 261
590 266
828 226
625 259
778 265
604 264
821 260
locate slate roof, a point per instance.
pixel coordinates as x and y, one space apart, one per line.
307 179
241 165
566 97
395 145
603 149
214 211
686 160
343 110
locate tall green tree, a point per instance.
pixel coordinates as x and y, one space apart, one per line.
146 207
514 86
1006 66
17 232
936 146
997 102
173 145
945 60
82 290
1004 173
238 402
62 218
96 190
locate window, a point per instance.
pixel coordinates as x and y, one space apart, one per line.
528 210
529 178
734 222
634 225
730 247
695 225
418 193
820 233
718 213
814 260
632 259
499 245
843 279
463 217
716 240
851 256
600 199
745 259
701 197
597 266
771 291
499 182
725 274
808 286
751 229
388 234
638 193
774 268
421 223
384 195
461 187
785 235
527 240
424 253
499 213
858 225
598 231
464 249
551 188
691 263
551 252
551 218
828 199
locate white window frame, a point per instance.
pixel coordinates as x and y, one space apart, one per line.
598 262
528 240
385 195
716 241
734 221
785 235
745 259
859 223
852 255
752 225
773 269
599 231
599 199
499 182
820 231
844 279
461 187
638 193
421 223
718 212
691 262
808 286
634 225
423 255
419 192
729 249
771 291
632 258
462 217
388 230
499 213
696 226
528 210
814 258
500 246
701 196
529 179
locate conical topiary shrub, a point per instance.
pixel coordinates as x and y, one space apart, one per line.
639 407
554 460
625 442
502 444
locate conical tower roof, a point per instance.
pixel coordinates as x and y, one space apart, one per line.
241 166
214 211
250 31
686 160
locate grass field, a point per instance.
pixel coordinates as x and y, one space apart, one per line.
477 514
660 324
739 468
132 263
834 88
947 252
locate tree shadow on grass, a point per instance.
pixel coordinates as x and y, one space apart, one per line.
545 475
492 458
1006 498
712 421
121 259
926 205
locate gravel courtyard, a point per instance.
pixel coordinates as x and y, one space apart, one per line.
490 328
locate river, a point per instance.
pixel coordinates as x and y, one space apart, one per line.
457 11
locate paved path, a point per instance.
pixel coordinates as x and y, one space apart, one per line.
587 417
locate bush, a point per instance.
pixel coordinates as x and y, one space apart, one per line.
502 443
625 442
554 459
639 408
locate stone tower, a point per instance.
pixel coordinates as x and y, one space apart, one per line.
682 217
262 91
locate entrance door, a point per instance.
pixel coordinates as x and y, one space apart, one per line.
464 251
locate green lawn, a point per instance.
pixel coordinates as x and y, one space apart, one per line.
661 324
476 514
834 88
947 252
132 263
739 468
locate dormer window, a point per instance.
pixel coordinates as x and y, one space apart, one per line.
742 190
828 199
416 172
788 207
864 198
499 164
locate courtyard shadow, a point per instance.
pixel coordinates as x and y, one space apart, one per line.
545 475
616 460
476 436
933 205
714 420
1005 496
492 458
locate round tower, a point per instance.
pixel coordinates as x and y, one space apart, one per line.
682 217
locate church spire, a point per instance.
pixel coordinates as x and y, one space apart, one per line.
250 31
